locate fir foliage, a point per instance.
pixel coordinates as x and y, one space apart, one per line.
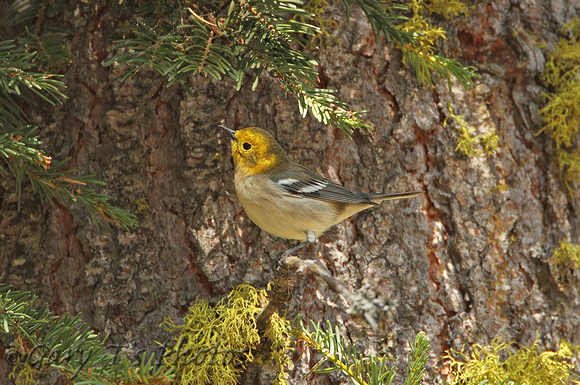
21 153
17 78
239 39
48 43
360 369
43 341
383 17
421 52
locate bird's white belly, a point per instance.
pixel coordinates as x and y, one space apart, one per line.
281 214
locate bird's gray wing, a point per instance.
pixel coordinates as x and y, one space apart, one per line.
302 182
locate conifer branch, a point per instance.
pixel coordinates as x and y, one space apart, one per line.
23 157
360 369
17 79
426 64
21 152
42 340
383 17
417 359
244 38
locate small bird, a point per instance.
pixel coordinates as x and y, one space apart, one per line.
286 199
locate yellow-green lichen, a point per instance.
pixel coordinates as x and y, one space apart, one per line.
469 143
26 376
142 205
278 332
569 165
567 252
447 8
216 343
562 111
317 8
421 54
490 142
567 349
496 364
427 35
501 187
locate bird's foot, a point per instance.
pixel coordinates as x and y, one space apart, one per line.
310 238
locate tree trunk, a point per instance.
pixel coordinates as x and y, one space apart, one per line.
466 262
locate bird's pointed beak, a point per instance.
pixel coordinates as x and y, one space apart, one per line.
229 131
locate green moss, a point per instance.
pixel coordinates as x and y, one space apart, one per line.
562 111
495 364
216 343
567 252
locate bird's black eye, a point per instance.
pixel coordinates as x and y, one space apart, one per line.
246 146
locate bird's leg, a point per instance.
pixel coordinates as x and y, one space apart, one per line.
310 237
295 248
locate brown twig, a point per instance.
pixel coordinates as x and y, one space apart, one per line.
363 303
206 52
204 21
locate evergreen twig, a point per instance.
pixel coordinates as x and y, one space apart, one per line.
17 79
244 38
417 359
21 151
360 369
22 155
66 343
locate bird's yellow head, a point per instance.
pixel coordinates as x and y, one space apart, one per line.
255 151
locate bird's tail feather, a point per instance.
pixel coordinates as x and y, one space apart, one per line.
376 198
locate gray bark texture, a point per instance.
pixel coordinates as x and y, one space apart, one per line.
466 262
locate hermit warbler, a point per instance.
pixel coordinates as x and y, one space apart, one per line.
286 199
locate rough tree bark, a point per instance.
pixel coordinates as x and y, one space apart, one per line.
466 262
